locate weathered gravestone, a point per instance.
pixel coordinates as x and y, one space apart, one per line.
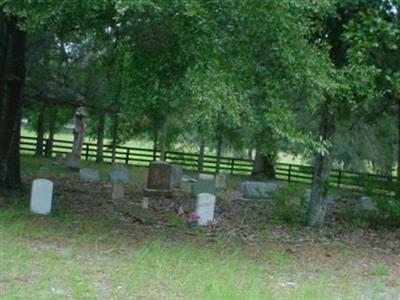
41 196
258 190
43 172
72 163
176 176
186 185
205 208
159 178
89 175
118 176
366 204
202 186
220 181
206 177
117 192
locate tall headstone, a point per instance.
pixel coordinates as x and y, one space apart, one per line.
220 181
205 208
176 176
89 175
159 177
203 186
41 196
258 190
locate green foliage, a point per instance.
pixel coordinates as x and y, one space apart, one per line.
287 208
379 270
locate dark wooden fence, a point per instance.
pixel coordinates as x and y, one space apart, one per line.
373 183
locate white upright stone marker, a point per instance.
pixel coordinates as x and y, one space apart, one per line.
41 196
205 208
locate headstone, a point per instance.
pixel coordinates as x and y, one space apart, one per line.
203 186
41 196
206 176
43 172
89 175
258 190
220 181
72 163
117 190
366 203
205 208
119 167
176 176
186 185
118 176
145 202
159 177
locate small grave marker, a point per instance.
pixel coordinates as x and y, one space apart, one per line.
220 181
205 208
89 175
41 196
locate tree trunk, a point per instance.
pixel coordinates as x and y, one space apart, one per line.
40 133
12 76
322 167
164 141
79 132
219 150
52 131
398 149
263 166
100 137
155 141
200 161
114 138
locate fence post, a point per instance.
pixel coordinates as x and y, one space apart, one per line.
154 154
339 178
127 156
87 152
232 165
290 173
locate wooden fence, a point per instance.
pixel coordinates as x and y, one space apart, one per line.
373 183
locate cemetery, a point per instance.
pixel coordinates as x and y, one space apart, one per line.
200 149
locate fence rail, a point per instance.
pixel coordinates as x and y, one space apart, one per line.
373 183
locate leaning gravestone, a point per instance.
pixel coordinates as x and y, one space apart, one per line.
41 196
89 175
202 186
205 208
220 181
206 176
118 176
176 176
258 190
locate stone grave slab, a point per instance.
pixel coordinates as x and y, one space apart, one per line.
205 205
41 196
89 175
220 181
176 176
117 192
72 163
258 190
206 176
120 176
202 186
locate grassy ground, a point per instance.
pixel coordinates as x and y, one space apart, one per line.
86 250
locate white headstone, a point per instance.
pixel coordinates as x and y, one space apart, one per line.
206 176
41 196
205 208
145 202
220 181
